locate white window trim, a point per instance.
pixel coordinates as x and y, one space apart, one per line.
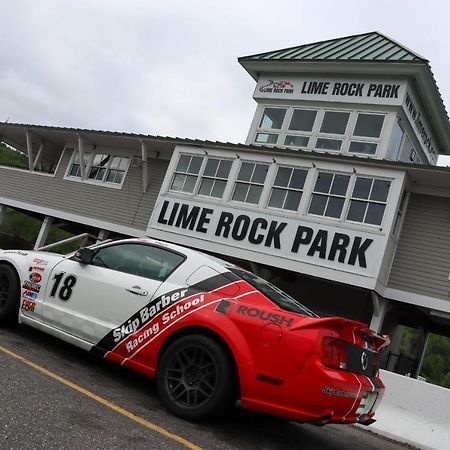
316 134
107 184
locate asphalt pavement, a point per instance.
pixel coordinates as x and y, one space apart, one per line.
55 396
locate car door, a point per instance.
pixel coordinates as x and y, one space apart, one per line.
89 300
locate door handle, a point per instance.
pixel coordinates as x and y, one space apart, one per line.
137 290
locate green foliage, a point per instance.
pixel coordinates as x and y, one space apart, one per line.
12 158
20 231
436 364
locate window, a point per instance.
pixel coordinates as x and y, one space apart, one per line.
302 120
329 194
287 188
138 259
100 167
337 131
368 200
117 169
272 118
186 173
75 170
250 182
368 127
334 122
214 177
266 138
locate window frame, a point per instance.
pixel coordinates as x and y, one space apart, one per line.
250 182
287 188
368 200
215 178
315 134
143 244
89 159
342 215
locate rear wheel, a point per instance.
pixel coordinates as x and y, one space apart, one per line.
9 295
195 377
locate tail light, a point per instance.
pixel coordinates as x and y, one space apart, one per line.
334 352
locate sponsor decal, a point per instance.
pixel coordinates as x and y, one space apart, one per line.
162 321
28 305
146 314
30 286
364 360
36 269
29 294
15 252
225 307
274 235
338 392
265 315
278 87
161 313
35 277
40 262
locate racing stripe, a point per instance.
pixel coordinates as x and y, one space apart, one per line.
156 306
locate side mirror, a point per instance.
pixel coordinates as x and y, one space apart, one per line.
85 255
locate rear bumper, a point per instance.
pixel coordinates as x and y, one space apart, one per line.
318 394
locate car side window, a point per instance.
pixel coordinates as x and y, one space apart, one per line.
138 259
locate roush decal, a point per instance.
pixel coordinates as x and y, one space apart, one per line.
265 315
36 269
225 307
144 317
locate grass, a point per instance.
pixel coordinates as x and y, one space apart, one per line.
12 158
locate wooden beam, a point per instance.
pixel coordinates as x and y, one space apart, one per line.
81 156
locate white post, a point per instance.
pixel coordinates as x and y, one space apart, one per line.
29 150
380 306
43 232
37 160
144 167
81 157
102 235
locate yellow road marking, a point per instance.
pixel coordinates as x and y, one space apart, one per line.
103 401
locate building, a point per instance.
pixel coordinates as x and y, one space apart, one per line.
335 197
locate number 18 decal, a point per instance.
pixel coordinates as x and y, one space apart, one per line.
65 291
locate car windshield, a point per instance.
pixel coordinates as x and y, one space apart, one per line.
279 297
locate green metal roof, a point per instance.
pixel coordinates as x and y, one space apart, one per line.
365 47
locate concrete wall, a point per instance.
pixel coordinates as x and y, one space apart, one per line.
415 412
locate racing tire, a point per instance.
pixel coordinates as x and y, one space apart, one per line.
195 378
9 296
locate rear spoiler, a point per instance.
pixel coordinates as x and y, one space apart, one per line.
380 341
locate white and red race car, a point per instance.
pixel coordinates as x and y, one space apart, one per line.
208 331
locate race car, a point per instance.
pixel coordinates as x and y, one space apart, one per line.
211 333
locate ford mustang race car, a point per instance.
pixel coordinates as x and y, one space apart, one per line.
208 331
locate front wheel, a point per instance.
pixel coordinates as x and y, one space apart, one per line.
9 295
195 377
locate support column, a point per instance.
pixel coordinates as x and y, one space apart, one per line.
144 167
394 348
43 232
29 149
424 335
102 235
380 307
2 213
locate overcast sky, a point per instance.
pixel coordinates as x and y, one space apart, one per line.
170 67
